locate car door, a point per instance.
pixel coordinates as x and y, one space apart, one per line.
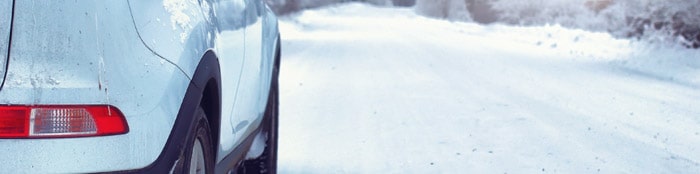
249 106
229 16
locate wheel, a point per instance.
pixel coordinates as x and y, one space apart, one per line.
198 154
267 162
197 160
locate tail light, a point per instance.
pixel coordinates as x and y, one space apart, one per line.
61 121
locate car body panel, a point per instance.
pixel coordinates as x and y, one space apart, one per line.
229 46
5 22
249 89
88 52
175 29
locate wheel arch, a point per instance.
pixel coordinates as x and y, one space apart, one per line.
211 101
203 90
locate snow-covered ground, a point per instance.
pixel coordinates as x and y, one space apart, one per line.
383 90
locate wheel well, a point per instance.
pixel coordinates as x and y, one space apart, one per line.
211 104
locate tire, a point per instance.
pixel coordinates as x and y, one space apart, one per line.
267 162
198 155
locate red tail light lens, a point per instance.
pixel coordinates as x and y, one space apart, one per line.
14 122
61 121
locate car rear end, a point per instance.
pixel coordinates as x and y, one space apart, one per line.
80 92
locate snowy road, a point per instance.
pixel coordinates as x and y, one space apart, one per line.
381 90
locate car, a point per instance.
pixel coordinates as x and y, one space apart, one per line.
131 86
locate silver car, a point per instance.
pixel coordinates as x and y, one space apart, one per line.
138 86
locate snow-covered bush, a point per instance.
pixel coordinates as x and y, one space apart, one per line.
446 9
403 3
652 20
675 20
482 11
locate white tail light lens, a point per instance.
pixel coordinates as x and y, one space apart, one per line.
61 121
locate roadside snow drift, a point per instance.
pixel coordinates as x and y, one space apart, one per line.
383 90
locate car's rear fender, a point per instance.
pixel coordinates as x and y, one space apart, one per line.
203 91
